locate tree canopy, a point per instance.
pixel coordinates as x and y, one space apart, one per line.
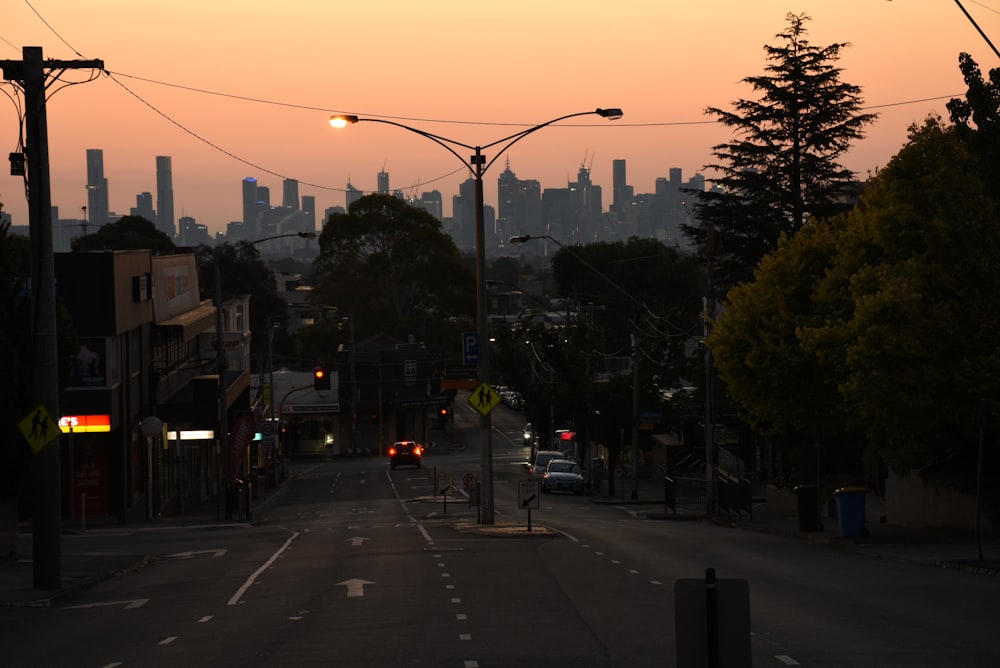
782 168
126 233
391 267
884 320
243 272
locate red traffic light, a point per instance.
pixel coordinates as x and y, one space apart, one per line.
321 379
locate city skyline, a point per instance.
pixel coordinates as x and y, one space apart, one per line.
230 104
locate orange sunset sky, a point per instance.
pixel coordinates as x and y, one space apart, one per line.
244 89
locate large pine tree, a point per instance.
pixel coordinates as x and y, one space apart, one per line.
782 166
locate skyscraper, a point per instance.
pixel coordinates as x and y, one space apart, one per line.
383 182
352 194
309 212
165 196
144 207
431 203
520 204
621 193
290 194
250 208
97 188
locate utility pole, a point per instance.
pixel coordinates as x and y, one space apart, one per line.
30 73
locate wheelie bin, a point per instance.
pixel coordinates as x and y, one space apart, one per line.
808 506
851 511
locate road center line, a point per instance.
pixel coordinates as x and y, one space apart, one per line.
253 576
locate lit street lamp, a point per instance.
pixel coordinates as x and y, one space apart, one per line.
477 166
220 356
640 305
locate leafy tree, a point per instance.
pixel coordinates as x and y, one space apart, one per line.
977 116
639 287
782 168
774 360
885 319
126 233
243 272
390 267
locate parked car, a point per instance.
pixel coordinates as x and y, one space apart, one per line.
563 475
542 459
405 452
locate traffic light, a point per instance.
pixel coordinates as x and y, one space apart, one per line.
321 379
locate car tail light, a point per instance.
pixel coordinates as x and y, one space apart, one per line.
392 451
418 451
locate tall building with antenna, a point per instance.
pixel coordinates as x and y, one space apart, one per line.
97 188
383 182
165 196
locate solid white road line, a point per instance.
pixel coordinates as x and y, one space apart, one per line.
253 576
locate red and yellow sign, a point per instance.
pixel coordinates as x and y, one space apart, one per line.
84 423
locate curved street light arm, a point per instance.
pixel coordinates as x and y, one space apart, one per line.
444 142
302 235
477 165
611 114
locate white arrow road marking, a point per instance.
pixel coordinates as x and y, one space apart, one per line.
191 553
357 541
355 587
128 605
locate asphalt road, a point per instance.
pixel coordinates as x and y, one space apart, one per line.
356 565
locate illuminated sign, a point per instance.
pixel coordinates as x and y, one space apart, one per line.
84 423
191 435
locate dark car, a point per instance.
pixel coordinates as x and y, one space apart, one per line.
562 475
405 452
542 459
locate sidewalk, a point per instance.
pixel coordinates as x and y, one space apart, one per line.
931 547
80 570
942 548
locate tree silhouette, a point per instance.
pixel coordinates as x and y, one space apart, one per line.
782 168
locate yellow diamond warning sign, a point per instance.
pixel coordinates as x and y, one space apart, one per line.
484 399
38 428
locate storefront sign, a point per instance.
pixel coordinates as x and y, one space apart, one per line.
84 423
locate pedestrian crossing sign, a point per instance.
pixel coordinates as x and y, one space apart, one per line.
484 399
39 428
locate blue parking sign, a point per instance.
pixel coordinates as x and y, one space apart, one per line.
470 348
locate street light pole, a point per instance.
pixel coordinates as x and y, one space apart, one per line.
478 165
633 343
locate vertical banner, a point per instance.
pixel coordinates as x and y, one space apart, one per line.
239 440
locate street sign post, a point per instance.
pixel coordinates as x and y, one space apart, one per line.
444 483
527 497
